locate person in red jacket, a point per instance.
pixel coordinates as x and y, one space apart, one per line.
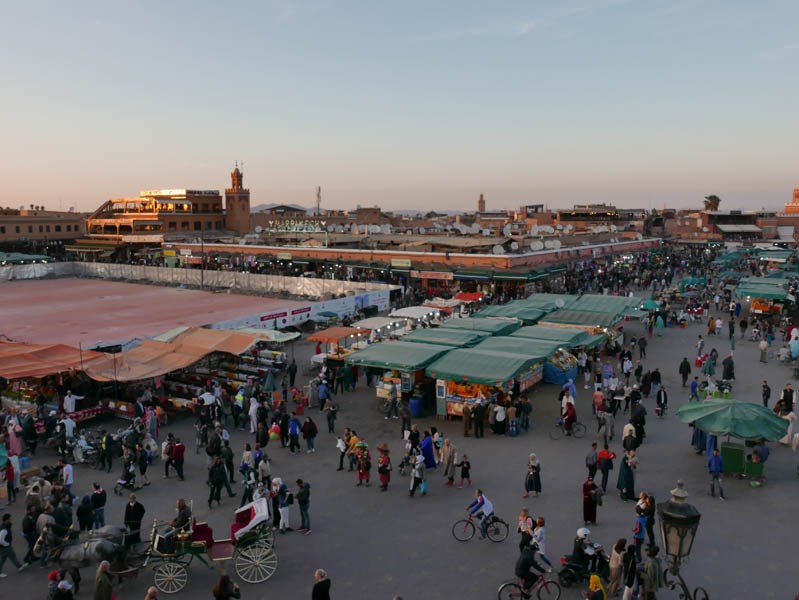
178 453
604 461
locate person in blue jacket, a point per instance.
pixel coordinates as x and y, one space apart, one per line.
715 467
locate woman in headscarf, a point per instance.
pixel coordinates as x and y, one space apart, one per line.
14 440
383 466
589 501
659 324
595 589
253 414
426 446
532 482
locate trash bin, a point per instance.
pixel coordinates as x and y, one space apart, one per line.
416 406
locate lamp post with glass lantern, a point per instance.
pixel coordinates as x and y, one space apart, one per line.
679 522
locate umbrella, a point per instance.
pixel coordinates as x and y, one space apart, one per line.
650 305
207 398
742 420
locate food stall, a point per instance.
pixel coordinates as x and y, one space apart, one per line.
597 324
459 338
765 296
417 314
464 375
382 327
403 364
338 342
493 326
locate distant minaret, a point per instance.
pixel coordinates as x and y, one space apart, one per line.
318 200
237 204
481 204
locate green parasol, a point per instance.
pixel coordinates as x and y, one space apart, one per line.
650 305
742 420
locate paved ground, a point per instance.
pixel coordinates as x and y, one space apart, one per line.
375 545
90 311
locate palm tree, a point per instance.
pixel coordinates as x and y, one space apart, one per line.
712 202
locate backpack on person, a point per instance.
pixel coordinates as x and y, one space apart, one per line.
290 498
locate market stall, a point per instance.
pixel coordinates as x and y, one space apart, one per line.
766 296
556 364
517 309
569 337
464 375
382 327
460 338
417 314
338 342
490 325
403 364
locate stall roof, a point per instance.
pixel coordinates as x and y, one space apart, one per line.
766 292
152 358
574 317
446 337
604 304
550 302
402 356
745 228
18 360
331 335
492 325
535 349
469 296
374 323
270 335
479 366
415 312
565 335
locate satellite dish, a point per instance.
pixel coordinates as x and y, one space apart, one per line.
556 244
348 227
258 229
385 228
548 244
640 237
559 227
534 230
498 249
569 227
485 232
374 229
422 231
537 245
242 241
339 228
613 228
560 302
705 230
506 230
514 246
448 227
408 232
331 228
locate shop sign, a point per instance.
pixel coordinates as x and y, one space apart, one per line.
170 253
299 311
432 275
401 263
284 256
273 316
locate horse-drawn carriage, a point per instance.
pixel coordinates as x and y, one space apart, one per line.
250 546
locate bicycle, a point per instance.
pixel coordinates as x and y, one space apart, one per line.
558 431
464 529
545 589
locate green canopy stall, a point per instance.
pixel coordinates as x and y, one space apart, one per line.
516 309
465 375
460 338
493 326
568 336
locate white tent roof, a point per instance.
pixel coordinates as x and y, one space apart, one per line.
415 312
375 323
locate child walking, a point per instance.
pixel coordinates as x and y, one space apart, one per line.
466 468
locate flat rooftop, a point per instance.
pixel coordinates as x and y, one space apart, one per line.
89 311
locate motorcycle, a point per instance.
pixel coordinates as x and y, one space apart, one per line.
83 452
575 573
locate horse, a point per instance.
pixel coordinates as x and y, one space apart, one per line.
73 555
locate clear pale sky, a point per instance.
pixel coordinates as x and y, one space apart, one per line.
416 105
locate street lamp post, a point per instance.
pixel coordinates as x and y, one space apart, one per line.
679 522
202 255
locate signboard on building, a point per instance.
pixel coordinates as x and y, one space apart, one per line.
432 275
283 256
401 263
295 226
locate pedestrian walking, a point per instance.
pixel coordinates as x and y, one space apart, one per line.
591 460
392 401
478 415
626 481
448 459
384 466
763 347
525 527
6 549
304 503
532 481
616 557
766 393
321 588
590 501
629 565
466 471
684 370
309 433
134 513
715 467
103 584
178 457
294 429
216 477
98 500
330 409
605 460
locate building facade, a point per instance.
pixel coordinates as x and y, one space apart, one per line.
37 225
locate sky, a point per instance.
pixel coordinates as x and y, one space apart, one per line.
404 105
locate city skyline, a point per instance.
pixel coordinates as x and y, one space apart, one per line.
416 107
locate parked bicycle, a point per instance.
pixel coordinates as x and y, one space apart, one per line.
559 431
464 529
544 589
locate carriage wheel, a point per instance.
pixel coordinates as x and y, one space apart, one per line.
170 577
267 537
256 563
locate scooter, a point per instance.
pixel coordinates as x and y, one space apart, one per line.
575 573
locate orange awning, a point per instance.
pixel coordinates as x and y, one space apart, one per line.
19 360
333 335
469 296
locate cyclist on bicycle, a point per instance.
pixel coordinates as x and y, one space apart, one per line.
526 566
481 507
